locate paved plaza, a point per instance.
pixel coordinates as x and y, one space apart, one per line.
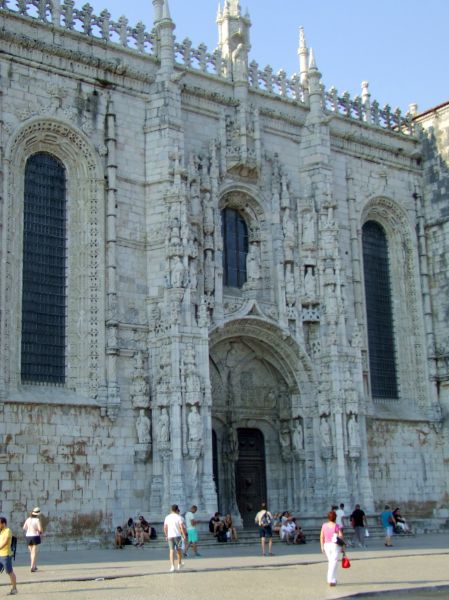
232 572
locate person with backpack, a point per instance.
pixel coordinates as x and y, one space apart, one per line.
264 519
6 554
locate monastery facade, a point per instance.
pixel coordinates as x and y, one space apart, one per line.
218 284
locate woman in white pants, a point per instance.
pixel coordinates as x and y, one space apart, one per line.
331 533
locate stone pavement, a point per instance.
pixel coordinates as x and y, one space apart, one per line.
231 571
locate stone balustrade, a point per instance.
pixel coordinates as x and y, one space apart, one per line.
82 20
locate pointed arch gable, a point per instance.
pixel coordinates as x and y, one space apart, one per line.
85 244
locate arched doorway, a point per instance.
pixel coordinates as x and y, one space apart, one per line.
256 405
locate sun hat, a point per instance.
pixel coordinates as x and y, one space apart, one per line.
36 511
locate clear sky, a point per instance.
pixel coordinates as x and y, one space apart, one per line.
400 46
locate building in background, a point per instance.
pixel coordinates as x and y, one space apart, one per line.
219 285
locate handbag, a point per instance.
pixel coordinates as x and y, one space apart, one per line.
345 562
366 533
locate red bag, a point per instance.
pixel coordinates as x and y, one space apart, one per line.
345 562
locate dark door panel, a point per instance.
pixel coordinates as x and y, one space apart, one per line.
251 486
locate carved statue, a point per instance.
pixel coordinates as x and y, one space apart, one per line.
325 433
289 285
297 436
193 279
209 274
288 227
308 228
309 283
253 263
209 224
239 62
163 427
353 431
177 273
143 426
195 425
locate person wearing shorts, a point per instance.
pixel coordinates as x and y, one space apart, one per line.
264 520
6 554
387 520
33 531
175 534
192 532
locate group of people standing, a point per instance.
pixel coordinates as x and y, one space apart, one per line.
332 538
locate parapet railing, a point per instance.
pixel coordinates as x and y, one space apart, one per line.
83 20
63 13
362 109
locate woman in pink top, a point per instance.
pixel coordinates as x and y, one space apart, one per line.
330 533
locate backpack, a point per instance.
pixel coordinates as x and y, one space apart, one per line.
13 546
265 520
153 534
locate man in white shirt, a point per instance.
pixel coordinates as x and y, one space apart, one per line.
192 533
340 512
175 533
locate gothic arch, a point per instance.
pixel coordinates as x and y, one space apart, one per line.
407 308
85 257
286 356
243 200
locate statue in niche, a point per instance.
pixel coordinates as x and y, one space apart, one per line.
253 263
297 436
325 433
284 441
177 273
308 228
209 273
143 426
309 283
191 373
288 228
289 284
353 431
209 224
193 278
163 427
175 240
195 425
203 313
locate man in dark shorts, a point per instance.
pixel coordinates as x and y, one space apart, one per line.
6 554
264 519
358 521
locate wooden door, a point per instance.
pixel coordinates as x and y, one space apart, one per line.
250 478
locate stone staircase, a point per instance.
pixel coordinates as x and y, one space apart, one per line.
247 537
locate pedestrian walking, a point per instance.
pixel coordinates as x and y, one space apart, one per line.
192 532
358 521
6 554
33 532
175 534
341 516
264 519
332 542
388 522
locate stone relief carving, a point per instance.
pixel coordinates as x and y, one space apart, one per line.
297 434
143 427
139 387
253 264
163 429
195 425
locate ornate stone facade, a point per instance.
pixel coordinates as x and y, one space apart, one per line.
180 388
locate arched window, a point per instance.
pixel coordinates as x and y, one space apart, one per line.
235 247
44 271
381 346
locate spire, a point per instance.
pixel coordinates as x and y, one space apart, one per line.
312 61
166 10
157 10
303 53
219 11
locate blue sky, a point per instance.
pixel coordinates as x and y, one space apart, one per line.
400 46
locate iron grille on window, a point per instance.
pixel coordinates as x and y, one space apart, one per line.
235 247
44 271
382 360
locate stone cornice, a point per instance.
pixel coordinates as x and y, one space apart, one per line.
118 70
